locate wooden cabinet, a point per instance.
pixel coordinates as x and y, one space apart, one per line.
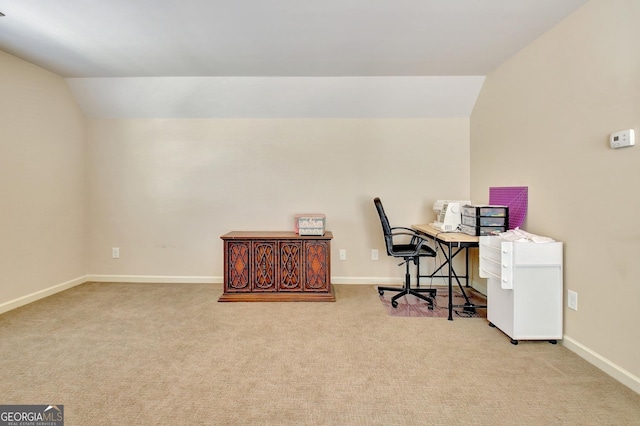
277 266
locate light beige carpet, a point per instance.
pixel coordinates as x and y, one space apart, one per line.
150 354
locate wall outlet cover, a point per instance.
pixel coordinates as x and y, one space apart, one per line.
572 300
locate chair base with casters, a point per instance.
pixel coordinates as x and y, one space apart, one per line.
407 289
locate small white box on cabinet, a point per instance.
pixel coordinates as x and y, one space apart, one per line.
524 287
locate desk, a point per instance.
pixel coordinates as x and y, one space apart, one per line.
449 241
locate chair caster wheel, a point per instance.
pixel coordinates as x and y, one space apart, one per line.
380 292
394 304
514 342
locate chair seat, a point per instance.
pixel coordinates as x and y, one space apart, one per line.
401 250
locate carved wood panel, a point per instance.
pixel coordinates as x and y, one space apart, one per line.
316 266
264 262
290 266
237 267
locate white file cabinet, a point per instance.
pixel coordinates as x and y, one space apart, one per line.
524 287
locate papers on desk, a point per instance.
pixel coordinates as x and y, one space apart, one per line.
524 237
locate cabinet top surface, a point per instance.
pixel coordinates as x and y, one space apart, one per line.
275 235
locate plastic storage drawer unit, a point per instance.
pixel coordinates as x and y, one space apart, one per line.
484 220
481 230
490 211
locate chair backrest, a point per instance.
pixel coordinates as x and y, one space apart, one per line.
386 228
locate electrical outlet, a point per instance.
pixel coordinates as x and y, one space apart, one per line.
343 254
572 300
115 252
374 254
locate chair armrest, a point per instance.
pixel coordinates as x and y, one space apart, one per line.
417 239
403 228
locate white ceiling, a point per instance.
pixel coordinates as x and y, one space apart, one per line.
101 40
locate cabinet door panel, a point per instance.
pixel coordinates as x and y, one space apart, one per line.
264 266
237 268
290 266
316 269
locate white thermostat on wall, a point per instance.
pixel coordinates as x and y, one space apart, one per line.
622 138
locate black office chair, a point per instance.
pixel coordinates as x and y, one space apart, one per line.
409 251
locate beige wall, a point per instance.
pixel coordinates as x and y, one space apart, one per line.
164 191
42 182
543 120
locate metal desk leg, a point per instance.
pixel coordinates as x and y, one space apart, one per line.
466 266
450 284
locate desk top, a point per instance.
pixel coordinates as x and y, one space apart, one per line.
446 237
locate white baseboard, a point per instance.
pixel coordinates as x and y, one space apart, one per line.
438 282
366 280
169 279
219 280
620 374
481 287
29 298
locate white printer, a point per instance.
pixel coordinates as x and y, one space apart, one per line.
448 214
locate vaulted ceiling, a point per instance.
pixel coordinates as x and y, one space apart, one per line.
102 40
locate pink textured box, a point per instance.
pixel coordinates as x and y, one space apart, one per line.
310 224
